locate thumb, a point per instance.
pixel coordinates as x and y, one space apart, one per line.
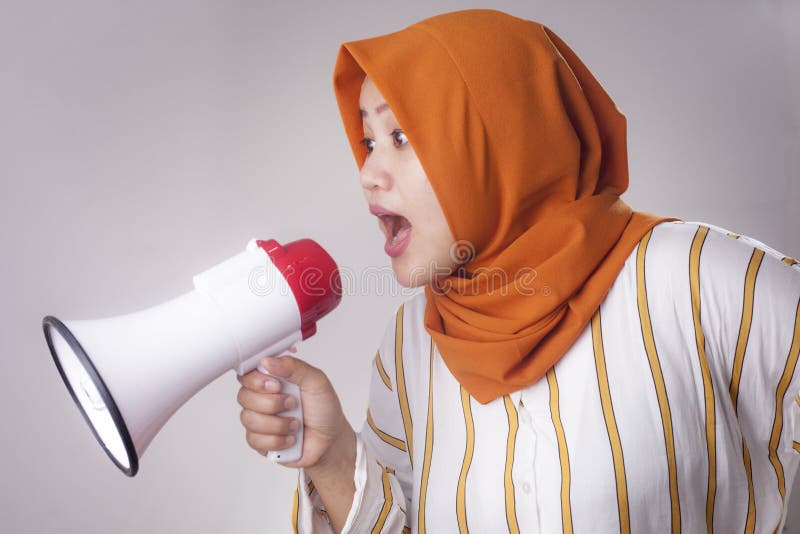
294 370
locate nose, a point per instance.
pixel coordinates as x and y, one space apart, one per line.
375 173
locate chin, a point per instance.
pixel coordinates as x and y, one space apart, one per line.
410 276
404 278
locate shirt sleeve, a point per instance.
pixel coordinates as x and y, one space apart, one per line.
753 296
382 475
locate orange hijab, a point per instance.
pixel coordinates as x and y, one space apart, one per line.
527 156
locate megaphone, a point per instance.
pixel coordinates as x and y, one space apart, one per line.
128 374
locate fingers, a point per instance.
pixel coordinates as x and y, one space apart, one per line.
266 403
261 401
296 371
265 443
265 430
257 381
287 367
259 423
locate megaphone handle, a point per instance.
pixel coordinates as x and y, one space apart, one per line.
295 450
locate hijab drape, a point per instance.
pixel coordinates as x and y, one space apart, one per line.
527 156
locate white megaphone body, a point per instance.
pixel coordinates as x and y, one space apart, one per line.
128 374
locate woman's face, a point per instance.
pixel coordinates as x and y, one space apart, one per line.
398 192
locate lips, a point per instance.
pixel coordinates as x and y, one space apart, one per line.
394 224
391 223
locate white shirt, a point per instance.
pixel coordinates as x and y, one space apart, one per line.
661 417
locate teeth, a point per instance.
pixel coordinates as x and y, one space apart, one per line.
394 238
392 225
387 223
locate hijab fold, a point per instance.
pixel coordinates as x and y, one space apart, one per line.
527 156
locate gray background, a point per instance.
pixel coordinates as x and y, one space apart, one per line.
143 142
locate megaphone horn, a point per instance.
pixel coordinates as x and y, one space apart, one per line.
128 374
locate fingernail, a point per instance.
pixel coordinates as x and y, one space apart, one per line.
270 384
289 440
289 403
274 365
294 425
270 361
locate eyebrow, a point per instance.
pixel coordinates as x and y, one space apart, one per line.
383 107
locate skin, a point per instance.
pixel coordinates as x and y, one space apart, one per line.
329 441
392 176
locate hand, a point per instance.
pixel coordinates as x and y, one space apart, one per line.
261 401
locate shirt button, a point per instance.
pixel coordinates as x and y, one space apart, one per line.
526 487
525 416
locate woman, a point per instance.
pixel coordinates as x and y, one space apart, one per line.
572 365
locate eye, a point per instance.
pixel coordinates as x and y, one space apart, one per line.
366 142
398 135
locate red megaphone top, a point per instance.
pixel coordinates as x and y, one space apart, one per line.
313 276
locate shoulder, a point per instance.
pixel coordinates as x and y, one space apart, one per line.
730 273
684 267
406 344
676 237
414 307
673 245
405 332
408 315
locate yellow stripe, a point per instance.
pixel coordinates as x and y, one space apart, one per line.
736 375
790 261
402 396
746 321
387 503
796 446
461 495
797 400
708 389
611 425
750 525
294 511
513 425
382 371
563 454
391 440
658 380
783 385
426 463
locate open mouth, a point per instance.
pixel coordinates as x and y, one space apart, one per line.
394 227
398 233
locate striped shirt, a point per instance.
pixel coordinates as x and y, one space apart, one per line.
675 410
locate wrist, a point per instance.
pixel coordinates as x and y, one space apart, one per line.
339 460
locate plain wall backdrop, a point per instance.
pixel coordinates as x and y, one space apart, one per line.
143 142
